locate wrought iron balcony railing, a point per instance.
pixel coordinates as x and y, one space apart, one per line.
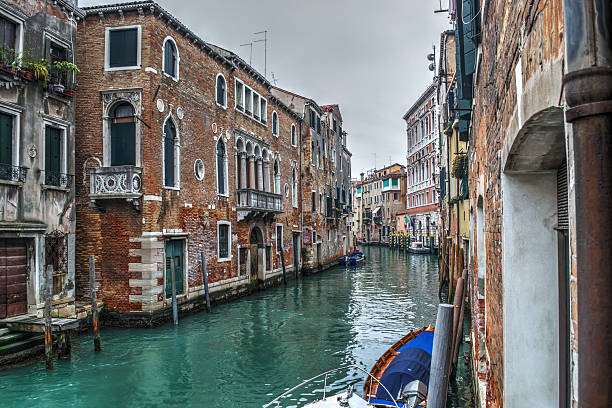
62 180
115 182
251 199
13 173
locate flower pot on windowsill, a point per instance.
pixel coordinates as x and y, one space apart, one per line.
58 88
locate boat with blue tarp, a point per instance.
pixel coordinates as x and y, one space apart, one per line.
353 258
403 371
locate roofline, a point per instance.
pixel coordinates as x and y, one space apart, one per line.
311 101
70 6
419 101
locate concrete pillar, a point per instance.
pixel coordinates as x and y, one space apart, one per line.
251 172
266 175
243 170
260 174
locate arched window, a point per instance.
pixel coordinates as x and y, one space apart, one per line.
170 58
169 159
293 135
221 170
294 189
123 135
221 90
274 123
276 178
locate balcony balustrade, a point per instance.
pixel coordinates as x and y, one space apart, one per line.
16 174
123 182
251 199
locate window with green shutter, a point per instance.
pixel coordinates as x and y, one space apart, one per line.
123 47
6 146
123 136
53 161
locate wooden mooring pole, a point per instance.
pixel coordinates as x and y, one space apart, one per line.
205 279
459 331
440 358
282 257
48 326
173 283
94 303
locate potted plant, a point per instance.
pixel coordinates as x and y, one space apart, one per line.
59 69
39 70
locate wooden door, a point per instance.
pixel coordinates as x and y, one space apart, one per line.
13 278
174 253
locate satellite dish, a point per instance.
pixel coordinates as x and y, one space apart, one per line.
431 56
432 66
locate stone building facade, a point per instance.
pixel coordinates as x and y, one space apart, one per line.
423 158
182 152
326 170
37 130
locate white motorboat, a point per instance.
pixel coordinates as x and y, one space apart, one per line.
418 248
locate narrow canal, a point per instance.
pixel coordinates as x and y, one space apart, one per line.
247 352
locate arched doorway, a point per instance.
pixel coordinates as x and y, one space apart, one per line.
256 243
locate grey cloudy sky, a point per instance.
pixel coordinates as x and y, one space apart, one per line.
367 56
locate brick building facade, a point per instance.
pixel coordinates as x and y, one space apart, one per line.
181 150
326 170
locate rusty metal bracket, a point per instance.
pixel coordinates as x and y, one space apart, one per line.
588 109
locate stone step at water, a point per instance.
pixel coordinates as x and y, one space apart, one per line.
13 337
4 331
21 345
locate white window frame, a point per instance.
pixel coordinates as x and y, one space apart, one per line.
278 224
19 34
294 188
263 115
224 106
15 112
138 65
177 156
293 132
236 82
63 126
277 124
229 241
178 58
225 179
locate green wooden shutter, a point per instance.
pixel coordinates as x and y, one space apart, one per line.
123 144
123 48
52 155
6 139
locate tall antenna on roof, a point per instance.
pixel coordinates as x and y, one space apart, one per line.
265 41
273 78
251 53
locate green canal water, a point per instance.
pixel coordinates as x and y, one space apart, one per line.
247 352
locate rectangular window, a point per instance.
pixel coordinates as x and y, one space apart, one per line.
264 110
239 95
313 119
223 241
256 107
6 146
314 201
279 238
123 47
248 101
318 125
395 196
395 182
335 125
53 156
8 34
57 53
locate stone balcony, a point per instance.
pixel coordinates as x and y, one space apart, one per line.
116 182
252 203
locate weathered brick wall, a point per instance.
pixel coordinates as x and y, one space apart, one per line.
194 209
510 30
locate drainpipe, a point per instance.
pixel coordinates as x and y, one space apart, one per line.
301 199
588 93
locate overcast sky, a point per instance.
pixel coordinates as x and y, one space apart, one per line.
368 56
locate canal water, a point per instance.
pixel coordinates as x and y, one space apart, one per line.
247 352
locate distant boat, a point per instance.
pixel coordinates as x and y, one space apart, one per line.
402 372
418 248
352 259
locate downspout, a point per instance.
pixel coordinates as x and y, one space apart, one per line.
301 196
588 94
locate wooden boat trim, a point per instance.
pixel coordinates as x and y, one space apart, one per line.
369 389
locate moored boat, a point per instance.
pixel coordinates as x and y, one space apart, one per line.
418 248
402 372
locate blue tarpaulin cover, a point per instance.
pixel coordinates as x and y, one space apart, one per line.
412 363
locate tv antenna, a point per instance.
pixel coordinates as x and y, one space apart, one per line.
265 41
274 78
251 53
440 10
